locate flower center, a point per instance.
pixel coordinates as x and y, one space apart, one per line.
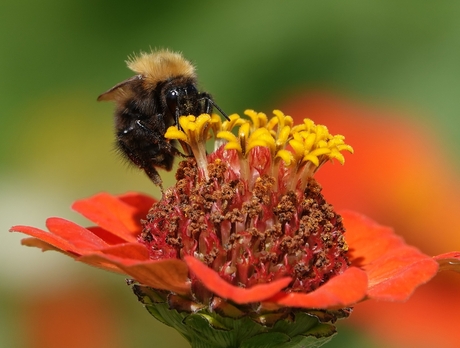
251 210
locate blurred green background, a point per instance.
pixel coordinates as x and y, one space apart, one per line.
56 142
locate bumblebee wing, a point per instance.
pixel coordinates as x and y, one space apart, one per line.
120 91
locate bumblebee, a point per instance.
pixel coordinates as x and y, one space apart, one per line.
164 89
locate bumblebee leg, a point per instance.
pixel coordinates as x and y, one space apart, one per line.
148 169
161 141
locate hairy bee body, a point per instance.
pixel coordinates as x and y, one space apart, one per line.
148 103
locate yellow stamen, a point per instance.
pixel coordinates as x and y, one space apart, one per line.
195 133
304 147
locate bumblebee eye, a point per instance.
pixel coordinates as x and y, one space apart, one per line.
191 91
172 100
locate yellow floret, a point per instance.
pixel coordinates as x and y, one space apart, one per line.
295 145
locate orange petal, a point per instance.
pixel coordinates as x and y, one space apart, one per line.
213 282
127 254
141 202
112 214
132 252
171 274
38 243
63 235
80 237
394 269
105 235
341 291
449 261
51 239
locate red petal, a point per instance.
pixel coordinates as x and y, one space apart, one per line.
114 256
80 237
449 261
51 239
113 214
64 235
340 291
171 274
38 243
213 282
106 236
394 269
103 264
132 252
141 202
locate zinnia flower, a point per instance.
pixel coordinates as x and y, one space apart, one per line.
244 250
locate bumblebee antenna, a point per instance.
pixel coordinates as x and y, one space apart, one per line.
209 104
218 108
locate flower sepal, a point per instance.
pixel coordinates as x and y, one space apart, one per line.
222 324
